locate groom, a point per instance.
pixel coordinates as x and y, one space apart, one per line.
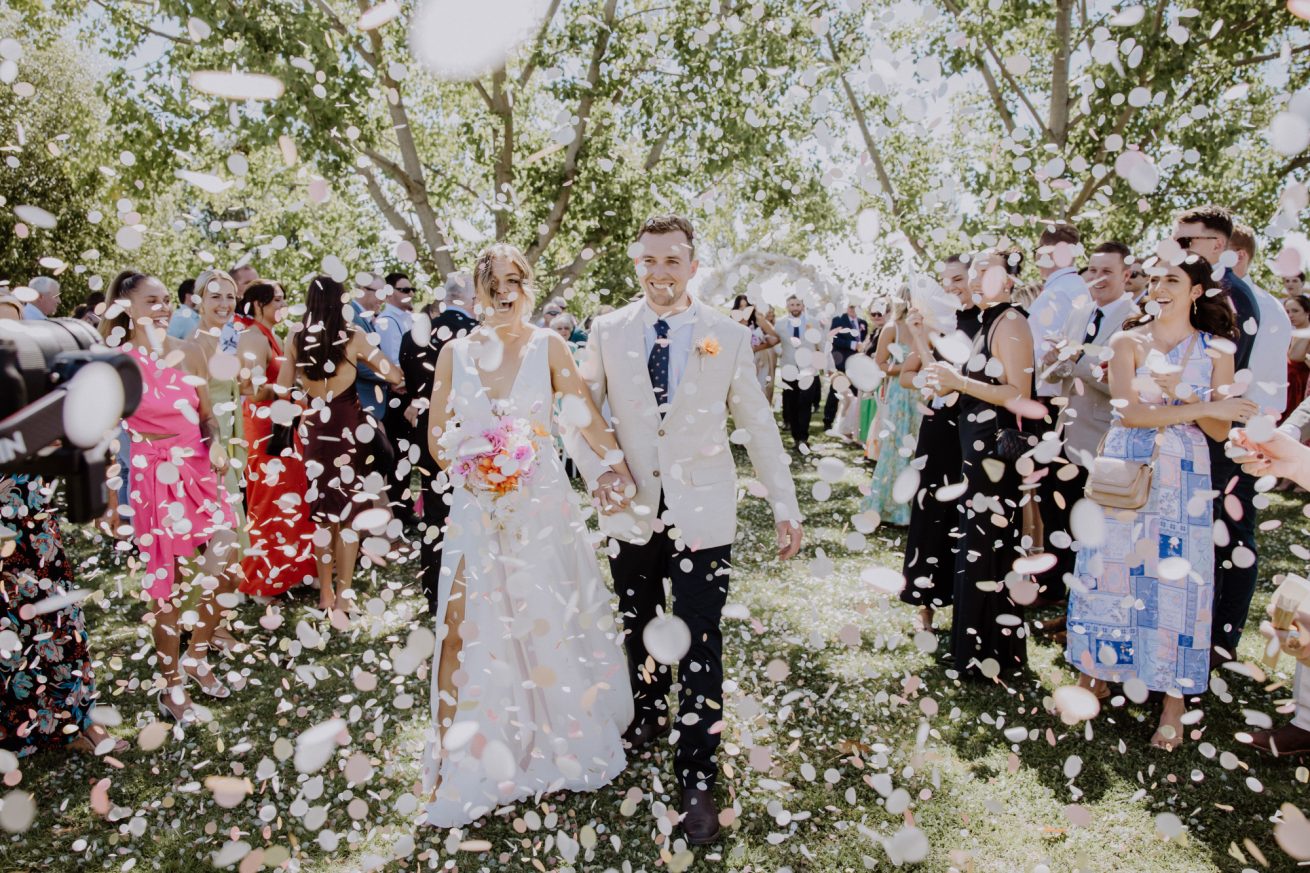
672 370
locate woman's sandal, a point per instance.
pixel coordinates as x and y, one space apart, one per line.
215 688
87 746
188 714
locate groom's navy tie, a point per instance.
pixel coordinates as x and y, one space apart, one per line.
658 363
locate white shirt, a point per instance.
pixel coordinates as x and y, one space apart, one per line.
801 332
31 313
1062 292
681 327
392 324
1268 362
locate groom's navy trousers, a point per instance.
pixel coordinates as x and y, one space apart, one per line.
700 588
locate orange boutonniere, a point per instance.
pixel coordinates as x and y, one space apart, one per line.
708 346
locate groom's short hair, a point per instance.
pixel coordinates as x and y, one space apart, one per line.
670 223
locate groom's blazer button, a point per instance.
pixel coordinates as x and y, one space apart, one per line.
661 433
656 474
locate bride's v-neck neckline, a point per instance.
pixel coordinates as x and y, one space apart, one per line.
518 372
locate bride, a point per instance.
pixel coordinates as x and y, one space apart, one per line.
530 690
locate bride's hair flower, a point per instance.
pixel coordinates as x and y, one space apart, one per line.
709 346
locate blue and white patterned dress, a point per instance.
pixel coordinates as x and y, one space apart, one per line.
1124 621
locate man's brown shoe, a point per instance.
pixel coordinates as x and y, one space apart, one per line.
700 817
1288 741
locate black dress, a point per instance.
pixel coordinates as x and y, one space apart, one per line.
987 629
932 539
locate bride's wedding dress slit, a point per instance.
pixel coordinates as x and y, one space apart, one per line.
448 658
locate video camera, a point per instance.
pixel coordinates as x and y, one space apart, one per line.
62 392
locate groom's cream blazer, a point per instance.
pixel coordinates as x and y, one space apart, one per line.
686 456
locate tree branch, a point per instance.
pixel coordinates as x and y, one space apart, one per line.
531 66
955 9
503 170
874 154
579 266
394 218
1007 117
569 167
413 178
144 28
340 27
1260 59
486 98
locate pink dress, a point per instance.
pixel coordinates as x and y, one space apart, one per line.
174 494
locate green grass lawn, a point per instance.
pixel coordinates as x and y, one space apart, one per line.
847 746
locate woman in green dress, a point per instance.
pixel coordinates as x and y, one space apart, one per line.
896 427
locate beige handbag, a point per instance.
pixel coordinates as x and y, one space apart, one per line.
1118 483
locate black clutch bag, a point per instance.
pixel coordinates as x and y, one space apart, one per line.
282 439
1012 443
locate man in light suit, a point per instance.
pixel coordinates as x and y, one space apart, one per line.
1074 367
800 362
672 370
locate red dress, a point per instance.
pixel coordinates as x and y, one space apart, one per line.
281 552
1298 374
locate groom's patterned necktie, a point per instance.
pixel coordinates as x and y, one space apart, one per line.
658 363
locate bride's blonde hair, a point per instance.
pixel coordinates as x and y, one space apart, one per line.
484 279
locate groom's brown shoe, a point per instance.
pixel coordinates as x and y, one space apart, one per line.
641 734
700 817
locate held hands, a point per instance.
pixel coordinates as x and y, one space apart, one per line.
1280 455
614 489
789 539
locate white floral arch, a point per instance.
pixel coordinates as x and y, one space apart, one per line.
769 279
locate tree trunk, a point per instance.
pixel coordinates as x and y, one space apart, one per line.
1059 117
503 172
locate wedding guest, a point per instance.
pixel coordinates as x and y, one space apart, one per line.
764 340
1075 363
1268 363
1285 456
1137 284
326 357
896 430
395 321
91 309
1206 231
846 333
180 520
564 325
245 275
1298 352
364 304
281 554
418 362
47 681
931 543
186 318
1169 380
1063 290
216 300
987 632
800 359
868 400
1294 284
46 303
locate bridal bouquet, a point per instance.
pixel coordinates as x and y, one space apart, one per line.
493 458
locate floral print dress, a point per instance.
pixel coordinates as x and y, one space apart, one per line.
47 689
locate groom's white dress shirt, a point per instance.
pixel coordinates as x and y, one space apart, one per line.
683 458
681 327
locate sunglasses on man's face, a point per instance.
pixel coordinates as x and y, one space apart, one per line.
1186 241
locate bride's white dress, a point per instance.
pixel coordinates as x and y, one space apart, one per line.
542 689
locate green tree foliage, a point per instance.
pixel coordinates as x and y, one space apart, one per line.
614 109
